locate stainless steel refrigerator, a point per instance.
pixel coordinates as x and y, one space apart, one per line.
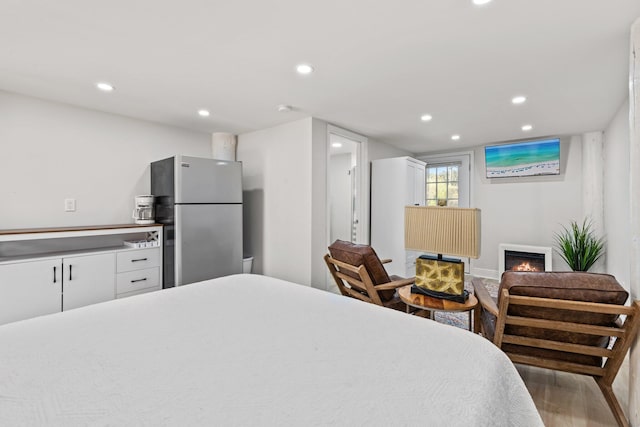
200 203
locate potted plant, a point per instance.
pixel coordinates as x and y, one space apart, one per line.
579 246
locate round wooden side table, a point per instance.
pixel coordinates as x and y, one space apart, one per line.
430 304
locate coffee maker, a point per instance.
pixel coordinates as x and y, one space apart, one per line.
144 210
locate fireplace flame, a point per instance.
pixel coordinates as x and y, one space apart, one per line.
524 266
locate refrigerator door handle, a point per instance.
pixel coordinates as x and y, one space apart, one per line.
178 247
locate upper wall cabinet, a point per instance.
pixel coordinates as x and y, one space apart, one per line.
395 183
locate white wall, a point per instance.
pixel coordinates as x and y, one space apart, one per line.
380 150
593 188
277 194
616 196
285 194
527 210
318 162
634 235
51 151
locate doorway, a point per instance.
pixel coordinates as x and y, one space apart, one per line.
346 184
342 189
347 189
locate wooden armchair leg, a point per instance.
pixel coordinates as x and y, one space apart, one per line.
613 403
476 320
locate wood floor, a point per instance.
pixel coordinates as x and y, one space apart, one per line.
572 400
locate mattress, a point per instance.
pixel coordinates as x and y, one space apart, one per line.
249 350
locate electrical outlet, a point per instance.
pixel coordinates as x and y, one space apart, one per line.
69 205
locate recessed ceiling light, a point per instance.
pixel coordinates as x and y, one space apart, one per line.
203 113
336 145
284 108
481 2
527 128
304 69
455 137
518 99
105 87
426 117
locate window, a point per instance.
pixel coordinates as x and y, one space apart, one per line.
442 184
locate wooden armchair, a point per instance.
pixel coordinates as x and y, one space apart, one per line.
564 321
359 273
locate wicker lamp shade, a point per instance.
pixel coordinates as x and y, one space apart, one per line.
443 230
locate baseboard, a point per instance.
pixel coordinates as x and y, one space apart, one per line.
485 273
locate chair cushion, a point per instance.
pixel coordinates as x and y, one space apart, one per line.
357 255
574 286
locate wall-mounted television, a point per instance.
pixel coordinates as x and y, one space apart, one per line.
527 158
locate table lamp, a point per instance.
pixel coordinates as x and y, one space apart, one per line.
442 230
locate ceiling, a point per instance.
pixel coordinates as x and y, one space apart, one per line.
378 65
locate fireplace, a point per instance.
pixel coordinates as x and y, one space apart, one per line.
523 258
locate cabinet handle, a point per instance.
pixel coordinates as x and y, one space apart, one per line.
54 275
139 259
70 272
139 280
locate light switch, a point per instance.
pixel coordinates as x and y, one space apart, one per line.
69 205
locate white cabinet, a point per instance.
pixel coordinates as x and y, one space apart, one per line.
87 280
416 185
138 272
44 271
395 183
138 259
30 289
34 287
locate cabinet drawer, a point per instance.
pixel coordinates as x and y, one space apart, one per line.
136 280
138 260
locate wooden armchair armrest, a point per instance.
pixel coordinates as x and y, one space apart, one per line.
386 260
485 300
396 284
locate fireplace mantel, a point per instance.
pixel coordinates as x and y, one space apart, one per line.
503 247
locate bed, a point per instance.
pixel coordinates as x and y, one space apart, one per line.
251 350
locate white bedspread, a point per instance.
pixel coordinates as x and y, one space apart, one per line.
248 350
